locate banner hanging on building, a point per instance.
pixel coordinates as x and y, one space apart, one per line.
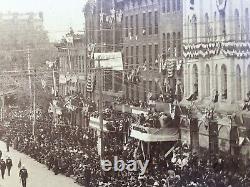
148 134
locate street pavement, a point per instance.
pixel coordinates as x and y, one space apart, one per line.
39 175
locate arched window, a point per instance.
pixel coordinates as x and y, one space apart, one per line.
164 42
195 80
248 78
215 25
194 28
216 77
237 24
207 81
247 23
224 81
223 31
188 80
238 83
174 45
206 29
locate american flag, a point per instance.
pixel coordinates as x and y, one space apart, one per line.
91 82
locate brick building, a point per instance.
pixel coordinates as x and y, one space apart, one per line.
151 29
104 36
72 72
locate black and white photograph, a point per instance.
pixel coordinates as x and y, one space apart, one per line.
125 93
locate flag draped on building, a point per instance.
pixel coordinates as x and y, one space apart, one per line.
171 68
91 82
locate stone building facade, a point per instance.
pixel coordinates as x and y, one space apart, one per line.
216 53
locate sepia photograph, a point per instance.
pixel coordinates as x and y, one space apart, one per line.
124 93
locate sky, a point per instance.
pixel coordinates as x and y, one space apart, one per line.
59 15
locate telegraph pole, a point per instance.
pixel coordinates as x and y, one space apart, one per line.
30 84
34 108
100 108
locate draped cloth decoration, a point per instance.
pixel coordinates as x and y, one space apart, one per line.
233 49
91 82
171 68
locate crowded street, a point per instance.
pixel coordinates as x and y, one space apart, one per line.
125 93
39 175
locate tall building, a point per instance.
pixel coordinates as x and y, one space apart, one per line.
103 26
72 66
216 52
152 36
18 32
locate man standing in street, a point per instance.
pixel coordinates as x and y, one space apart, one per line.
9 165
3 168
23 174
8 144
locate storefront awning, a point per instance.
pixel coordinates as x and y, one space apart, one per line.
148 134
109 60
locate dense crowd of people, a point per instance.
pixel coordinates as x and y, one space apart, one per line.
73 151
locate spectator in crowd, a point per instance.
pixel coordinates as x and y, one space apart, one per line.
72 151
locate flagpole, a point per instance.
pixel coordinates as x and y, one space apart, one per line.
34 108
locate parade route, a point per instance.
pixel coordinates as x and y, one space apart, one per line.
39 175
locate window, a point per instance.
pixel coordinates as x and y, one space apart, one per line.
247 24
156 53
163 6
216 77
179 44
137 54
144 54
145 90
195 80
224 82
178 5
194 29
168 5
150 23
215 25
126 26
132 56
150 55
156 22
136 24
222 24
127 61
207 79
164 42
237 25
132 25
168 45
144 24
238 83
207 31
174 5
174 45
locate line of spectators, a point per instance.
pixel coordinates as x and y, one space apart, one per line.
72 151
